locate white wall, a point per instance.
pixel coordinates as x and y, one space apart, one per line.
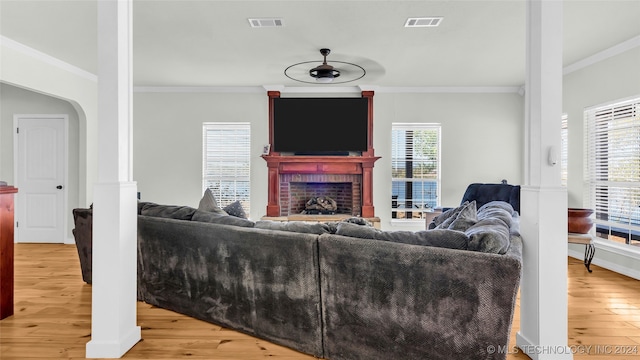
167 140
481 137
14 101
30 69
615 78
481 141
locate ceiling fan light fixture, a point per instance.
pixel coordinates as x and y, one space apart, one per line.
324 73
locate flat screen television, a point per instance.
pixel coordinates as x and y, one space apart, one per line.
320 126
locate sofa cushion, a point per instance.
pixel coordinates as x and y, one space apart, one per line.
294 226
141 205
215 218
444 238
168 211
490 235
438 237
354 230
209 203
357 220
497 210
235 209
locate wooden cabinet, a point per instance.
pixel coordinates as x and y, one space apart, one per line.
6 250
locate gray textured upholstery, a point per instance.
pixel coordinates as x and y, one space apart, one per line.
380 295
261 282
384 300
83 235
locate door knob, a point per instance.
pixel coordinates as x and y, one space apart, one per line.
59 187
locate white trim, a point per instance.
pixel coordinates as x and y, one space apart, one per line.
602 55
450 89
39 55
65 166
198 89
612 103
542 352
331 90
613 248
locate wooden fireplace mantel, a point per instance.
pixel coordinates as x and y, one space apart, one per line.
336 165
278 163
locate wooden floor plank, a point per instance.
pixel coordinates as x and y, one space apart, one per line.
53 318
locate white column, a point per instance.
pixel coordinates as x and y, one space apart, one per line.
543 292
113 312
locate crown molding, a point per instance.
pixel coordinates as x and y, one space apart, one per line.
449 89
602 55
38 55
199 89
329 89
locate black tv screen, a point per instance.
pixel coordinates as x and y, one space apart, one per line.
319 126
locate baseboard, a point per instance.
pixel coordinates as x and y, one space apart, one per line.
542 352
69 241
113 349
609 265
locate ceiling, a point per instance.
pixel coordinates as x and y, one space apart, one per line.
211 43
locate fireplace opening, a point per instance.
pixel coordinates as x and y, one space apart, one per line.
302 192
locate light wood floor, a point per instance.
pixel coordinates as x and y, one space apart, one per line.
53 313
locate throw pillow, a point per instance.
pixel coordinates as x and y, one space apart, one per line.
235 209
209 203
214 218
465 218
446 215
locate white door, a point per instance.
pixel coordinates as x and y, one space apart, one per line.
40 164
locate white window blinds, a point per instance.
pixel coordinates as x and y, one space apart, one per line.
415 169
226 162
613 167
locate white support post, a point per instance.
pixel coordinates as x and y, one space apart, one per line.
113 312
543 293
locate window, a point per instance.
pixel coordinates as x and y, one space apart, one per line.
613 169
564 151
226 155
415 169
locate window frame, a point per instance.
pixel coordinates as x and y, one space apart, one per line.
602 124
437 181
239 155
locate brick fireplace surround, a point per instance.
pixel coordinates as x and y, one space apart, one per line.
294 179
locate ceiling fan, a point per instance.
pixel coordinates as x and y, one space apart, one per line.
324 73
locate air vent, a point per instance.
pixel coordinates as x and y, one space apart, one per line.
423 22
257 23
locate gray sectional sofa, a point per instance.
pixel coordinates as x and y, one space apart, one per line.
341 290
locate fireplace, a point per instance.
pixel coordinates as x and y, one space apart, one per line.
294 179
297 189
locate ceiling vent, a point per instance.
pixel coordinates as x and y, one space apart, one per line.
258 23
423 22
